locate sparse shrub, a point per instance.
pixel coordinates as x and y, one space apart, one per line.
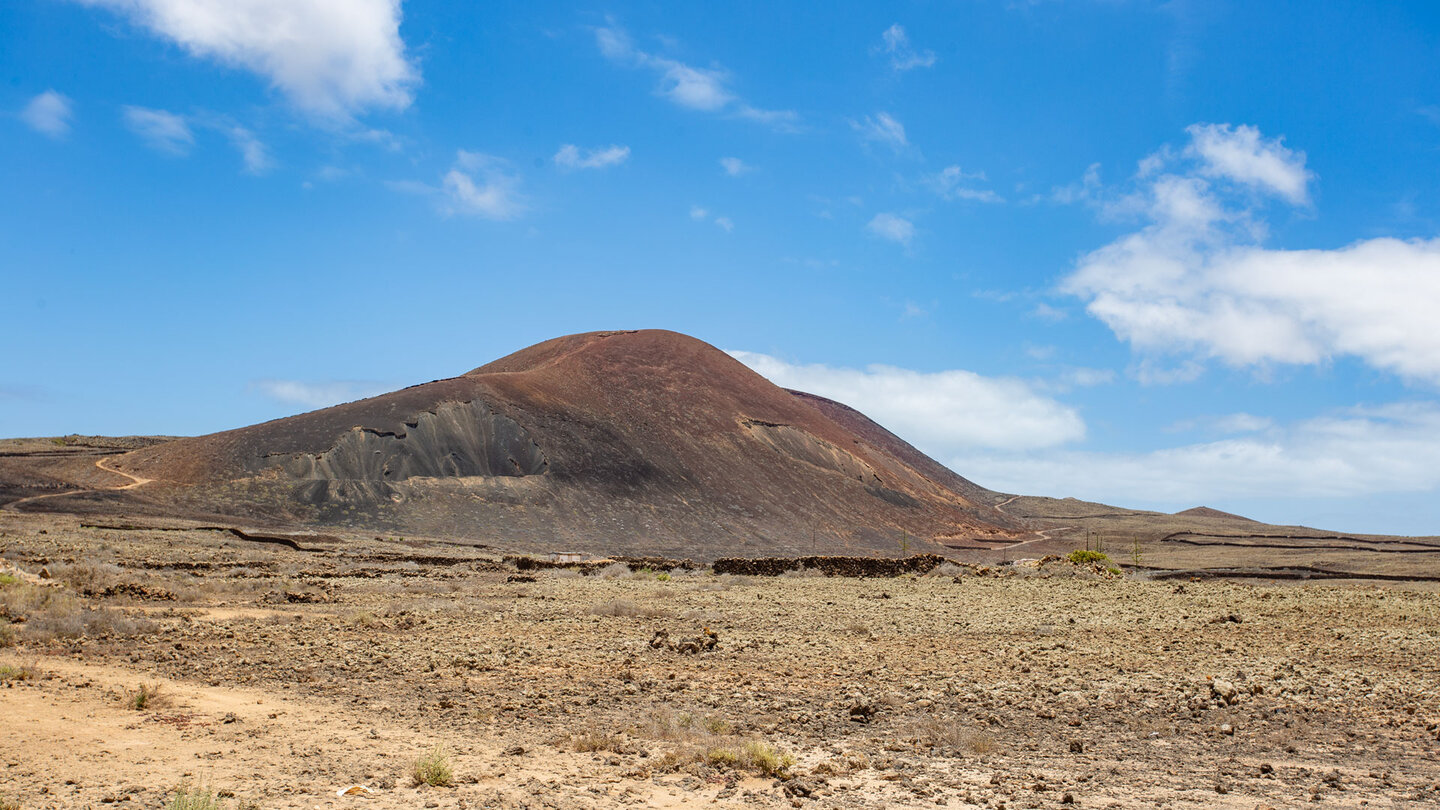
196 798
8 579
755 756
146 696
10 672
767 759
844 764
946 569
51 613
593 739
614 571
8 636
717 725
663 576
433 768
1082 557
89 577
858 629
628 609
9 804
365 620
722 757
949 734
803 572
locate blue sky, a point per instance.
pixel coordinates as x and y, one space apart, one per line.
1153 254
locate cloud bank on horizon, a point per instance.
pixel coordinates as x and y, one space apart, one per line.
1221 296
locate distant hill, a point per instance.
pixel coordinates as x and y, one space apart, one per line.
1207 512
616 442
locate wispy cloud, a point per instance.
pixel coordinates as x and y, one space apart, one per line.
329 58
484 186
317 394
904 56
49 114
952 183
571 156
163 131
254 153
174 134
734 166
893 227
695 88
882 128
701 214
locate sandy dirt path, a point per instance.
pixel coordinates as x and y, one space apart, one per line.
135 481
72 741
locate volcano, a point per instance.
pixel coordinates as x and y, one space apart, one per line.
638 442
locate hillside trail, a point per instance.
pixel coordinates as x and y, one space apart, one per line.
135 481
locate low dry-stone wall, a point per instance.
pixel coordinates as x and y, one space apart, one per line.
522 563
830 566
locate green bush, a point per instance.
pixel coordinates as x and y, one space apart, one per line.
1083 557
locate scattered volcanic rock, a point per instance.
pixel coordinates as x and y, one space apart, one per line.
645 442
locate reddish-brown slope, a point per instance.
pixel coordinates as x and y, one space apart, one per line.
645 441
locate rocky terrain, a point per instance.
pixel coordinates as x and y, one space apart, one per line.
144 661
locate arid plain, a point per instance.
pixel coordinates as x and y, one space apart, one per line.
277 676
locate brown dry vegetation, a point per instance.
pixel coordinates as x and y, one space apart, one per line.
287 676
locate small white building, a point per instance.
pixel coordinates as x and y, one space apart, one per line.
566 557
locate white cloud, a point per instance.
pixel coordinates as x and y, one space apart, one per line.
1195 281
1242 155
779 120
1083 191
1360 451
163 131
882 128
696 88
317 394
940 412
330 58
174 134
252 151
482 185
49 114
892 227
571 156
734 166
903 56
701 214
1243 423
953 183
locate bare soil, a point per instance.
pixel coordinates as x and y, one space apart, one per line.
285 676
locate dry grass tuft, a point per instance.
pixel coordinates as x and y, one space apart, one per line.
147 696
196 798
10 673
950 735
433 768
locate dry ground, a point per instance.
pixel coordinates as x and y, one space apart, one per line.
286 675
